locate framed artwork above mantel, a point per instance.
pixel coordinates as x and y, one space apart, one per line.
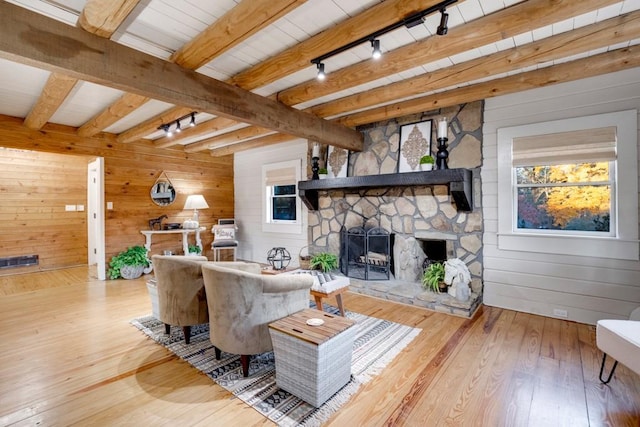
415 142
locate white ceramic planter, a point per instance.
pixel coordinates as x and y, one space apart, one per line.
426 166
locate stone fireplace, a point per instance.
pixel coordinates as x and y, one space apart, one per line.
420 217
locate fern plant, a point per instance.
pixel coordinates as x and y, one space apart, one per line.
433 275
324 261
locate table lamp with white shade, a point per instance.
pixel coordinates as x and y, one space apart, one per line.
195 202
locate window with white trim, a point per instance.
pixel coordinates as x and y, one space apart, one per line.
570 186
281 205
565 182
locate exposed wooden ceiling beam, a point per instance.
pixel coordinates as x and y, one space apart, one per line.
616 60
264 141
299 56
244 20
509 22
55 91
151 125
591 37
227 138
60 138
125 105
100 17
496 26
239 23
203 128
584 39
33 39
103 17
603 63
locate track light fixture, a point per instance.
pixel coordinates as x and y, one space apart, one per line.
410 21
376 53
321 74
444 18
166 127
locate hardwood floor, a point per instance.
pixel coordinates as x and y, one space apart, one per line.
68 356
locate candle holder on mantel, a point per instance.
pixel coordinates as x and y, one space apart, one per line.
442 155
315 157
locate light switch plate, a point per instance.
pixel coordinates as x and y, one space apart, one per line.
70 208
80 208
109 205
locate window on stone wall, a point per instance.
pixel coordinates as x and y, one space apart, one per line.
281 206
565 182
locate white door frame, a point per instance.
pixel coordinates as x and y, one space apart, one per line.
95 216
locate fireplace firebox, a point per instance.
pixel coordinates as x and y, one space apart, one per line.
366 254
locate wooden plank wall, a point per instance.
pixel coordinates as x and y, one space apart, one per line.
130 172
35 187
588 288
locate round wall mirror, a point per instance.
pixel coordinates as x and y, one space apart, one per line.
162 192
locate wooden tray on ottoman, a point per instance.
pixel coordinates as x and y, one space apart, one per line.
312 362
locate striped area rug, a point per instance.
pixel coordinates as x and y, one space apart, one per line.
376 343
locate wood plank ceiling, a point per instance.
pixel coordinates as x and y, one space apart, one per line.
244 65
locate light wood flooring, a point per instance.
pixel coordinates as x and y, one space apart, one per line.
68 356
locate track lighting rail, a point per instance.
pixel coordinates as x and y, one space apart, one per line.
166 127
410 21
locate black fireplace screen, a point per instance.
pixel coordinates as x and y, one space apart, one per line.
365 254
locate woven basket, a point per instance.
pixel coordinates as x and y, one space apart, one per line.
305 261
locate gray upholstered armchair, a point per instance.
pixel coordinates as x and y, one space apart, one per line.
182 300
242 302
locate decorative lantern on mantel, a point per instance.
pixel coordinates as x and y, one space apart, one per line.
279 258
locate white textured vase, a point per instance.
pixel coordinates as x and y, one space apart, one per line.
426 166
131 271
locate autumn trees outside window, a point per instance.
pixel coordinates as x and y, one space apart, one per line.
570 186
576 196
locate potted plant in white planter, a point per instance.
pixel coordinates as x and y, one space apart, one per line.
322 173
128 264
426 163
194 250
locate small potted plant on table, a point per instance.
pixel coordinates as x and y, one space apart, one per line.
322 173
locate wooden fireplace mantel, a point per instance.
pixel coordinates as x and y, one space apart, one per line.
459 181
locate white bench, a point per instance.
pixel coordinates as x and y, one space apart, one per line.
620 339
327 285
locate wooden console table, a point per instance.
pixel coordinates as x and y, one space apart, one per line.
185 236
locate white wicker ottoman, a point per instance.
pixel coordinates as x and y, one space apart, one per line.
312 362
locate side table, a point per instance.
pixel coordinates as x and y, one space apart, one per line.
312 362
